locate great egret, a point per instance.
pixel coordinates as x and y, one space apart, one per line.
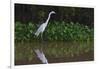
43 26
41 56
41 29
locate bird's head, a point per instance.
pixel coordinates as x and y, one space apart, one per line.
52 12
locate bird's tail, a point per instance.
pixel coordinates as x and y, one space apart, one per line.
37 33
41 56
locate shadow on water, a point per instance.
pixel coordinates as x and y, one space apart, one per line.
55 51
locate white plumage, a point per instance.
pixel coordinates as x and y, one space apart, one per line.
43 26
40 29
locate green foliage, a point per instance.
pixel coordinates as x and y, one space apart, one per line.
23 31
54 31
68 31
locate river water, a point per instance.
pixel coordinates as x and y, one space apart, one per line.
55 51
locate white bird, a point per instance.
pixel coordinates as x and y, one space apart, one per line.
43 26
41 56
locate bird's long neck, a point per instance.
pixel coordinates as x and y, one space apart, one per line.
48 18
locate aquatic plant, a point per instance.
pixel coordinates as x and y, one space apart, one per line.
54 31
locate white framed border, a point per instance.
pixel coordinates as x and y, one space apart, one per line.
75 3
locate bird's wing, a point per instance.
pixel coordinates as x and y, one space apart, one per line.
41 56
40 29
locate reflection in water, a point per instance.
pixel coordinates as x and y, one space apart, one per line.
54 51
41 56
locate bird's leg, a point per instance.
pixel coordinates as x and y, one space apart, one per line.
41 36
41 41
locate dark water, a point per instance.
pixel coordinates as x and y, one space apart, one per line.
55 52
